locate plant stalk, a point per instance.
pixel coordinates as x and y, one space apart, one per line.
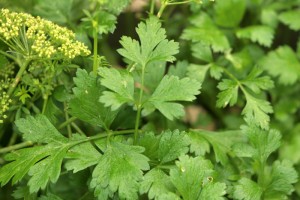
139 106
18 78
95 56
15 147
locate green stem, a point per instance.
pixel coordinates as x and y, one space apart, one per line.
18 78
178 3
139 106
96 137
70 120
45 104
77 128
162 8
152 5
15 147
67 119
95 37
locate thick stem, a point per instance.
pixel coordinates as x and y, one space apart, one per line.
139 106
18 78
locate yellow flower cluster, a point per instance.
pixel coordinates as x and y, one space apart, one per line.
5 100
44 38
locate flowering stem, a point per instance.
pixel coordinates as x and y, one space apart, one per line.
18 77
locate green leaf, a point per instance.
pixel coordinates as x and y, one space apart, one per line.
282 178
261 34
205 32
119 169
85 105
256 83
106 22
153 75
179 69
197 72
49 196
116 6
153 44
22 192
42 162
165 147
224 16
263 142
215 71
52 111
283 63
257 110
39 129
121 84
57 11
221 143
246 189
157 184
170 90
82 156
291 18
229 93
193 179
202 52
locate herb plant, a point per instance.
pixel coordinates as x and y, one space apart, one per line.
196 100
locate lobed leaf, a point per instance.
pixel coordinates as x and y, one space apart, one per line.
171 89
261 34
85 105
119 170
283 63
120 83
153 44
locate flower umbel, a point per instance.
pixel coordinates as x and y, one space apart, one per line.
34 36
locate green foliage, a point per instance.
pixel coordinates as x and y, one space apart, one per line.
119 170
130 121
85 105
153 44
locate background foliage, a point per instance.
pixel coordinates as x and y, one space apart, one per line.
178 100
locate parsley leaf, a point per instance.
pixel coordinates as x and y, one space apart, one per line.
32 160
224 16
119 169
283 63
247 189
153 44
256 83
193 179
261 34
282 176
205 32
263 142
221 143
157 183
121 84
229 93
172 89
79 159
291 18
85 105
166 147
